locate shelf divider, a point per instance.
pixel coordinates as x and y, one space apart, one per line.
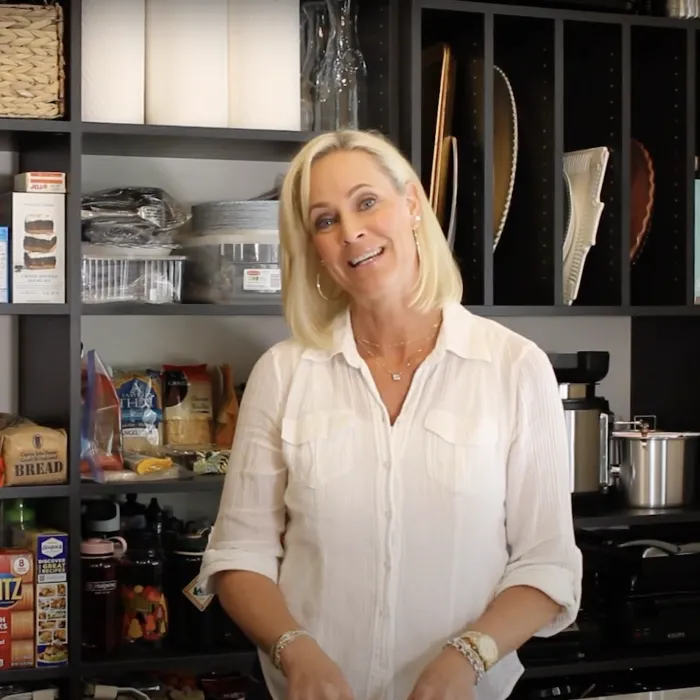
691 90
558 165
487 208
626 132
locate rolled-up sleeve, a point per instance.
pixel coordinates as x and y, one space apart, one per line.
251 517
539 524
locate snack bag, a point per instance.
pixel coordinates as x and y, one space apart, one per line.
100 435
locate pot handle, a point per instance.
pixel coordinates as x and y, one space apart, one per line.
604 458
667 547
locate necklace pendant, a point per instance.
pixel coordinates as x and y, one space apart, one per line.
396 376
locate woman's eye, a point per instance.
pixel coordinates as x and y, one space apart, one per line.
324 222
368 202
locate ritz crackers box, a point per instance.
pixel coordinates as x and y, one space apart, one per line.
17 642
50 552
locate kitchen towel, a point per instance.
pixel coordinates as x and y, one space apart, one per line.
114 63
186 62
264 64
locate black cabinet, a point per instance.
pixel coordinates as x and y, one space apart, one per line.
579 80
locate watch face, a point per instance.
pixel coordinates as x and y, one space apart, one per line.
486 647
490 648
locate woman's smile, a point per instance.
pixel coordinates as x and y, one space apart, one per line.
367 258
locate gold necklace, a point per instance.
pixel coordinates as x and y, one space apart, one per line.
396 376
433 328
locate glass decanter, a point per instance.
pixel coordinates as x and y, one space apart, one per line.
316 36
341 84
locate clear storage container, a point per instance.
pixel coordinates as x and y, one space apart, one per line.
230 267
152 280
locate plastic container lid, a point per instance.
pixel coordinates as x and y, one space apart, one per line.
652 434
233 237
96 546
192 543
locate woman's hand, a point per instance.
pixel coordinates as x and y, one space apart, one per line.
311 673
448 677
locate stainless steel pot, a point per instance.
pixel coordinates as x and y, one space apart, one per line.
656 469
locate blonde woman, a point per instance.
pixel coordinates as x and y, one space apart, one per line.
412 454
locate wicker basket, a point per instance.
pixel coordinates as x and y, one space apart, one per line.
32 73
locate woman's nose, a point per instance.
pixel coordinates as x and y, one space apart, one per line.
351 228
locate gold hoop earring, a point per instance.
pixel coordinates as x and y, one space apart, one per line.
415 238
318 287
320 291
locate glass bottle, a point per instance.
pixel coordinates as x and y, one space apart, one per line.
142 588
342 77
316 31
194 619
100 599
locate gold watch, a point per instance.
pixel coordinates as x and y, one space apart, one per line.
484 645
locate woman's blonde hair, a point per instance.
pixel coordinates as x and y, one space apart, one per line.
309 315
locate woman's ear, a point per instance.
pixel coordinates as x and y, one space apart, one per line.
412 199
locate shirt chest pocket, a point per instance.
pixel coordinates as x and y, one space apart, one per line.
462 450
317 447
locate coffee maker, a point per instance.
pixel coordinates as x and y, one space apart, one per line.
588 417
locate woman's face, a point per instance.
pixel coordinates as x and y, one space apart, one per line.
362 227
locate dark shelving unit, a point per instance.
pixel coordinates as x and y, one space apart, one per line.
580 79
49 391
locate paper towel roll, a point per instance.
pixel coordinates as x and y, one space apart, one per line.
113 56
264 64
186 62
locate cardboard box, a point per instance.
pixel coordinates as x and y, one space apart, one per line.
37 224
50 554
17 621
48 183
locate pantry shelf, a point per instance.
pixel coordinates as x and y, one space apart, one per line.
595 666
44 125
209 482
34 309
514 310
238 661
267 308
23 675
261 308
189 141
10 492
621 517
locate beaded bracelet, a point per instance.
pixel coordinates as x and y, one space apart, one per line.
281 643
470 654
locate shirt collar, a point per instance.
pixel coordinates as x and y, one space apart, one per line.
458 335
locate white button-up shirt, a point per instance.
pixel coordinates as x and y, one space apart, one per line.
399 536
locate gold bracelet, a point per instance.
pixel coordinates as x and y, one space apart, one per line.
471 655
281 643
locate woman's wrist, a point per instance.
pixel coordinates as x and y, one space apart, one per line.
283 650
470 655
